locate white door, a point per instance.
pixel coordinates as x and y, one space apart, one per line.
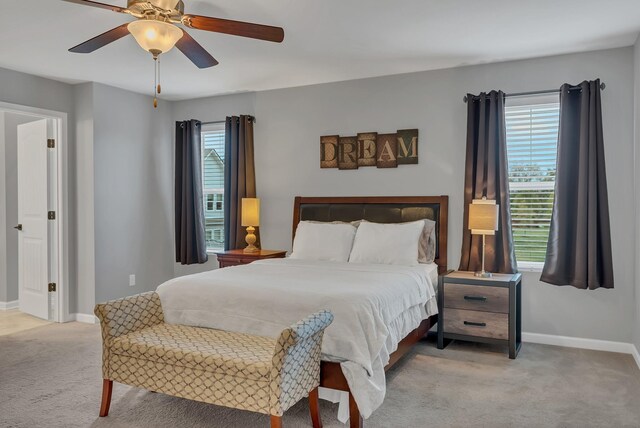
33 249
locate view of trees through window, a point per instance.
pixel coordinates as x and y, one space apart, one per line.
532 140
213 186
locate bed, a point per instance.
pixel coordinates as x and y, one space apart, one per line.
383 210
380 311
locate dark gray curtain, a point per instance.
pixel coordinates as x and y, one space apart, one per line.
239 179
191 246
487 175
579 247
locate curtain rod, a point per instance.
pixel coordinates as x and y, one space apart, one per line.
524 94
215 122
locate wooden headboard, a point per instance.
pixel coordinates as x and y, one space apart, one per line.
379 209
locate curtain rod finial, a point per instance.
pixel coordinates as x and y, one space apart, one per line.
464 98
602 86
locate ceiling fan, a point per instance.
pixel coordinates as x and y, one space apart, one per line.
156 31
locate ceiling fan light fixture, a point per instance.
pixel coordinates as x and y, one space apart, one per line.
155 36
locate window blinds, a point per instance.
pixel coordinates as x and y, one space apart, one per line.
532 140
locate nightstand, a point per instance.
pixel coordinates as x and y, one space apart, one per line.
477 309
239 257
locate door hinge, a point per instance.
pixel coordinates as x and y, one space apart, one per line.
52 287
52 215
51 143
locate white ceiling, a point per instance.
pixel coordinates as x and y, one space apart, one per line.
325 40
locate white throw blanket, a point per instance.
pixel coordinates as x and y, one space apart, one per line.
374 307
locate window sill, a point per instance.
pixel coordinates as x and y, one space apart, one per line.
213 251
530 266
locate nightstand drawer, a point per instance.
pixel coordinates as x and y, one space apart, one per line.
476 298
477 323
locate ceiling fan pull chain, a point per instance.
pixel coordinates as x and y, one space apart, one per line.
155 83
159 88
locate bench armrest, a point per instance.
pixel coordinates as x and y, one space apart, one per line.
310 326
296 361
122 316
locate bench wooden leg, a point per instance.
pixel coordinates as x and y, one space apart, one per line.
314 408
355 419
276 421
107 387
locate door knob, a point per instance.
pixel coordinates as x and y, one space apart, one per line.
19 227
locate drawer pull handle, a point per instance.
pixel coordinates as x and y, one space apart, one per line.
475 324
476 298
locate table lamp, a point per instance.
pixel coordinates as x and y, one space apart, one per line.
250 218
483 220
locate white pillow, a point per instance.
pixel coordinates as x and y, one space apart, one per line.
391 244
323 241
427 244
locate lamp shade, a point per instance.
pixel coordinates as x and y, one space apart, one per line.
483 217
250 212
154 35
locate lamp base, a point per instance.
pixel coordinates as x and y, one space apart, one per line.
251 239
251 249
483 274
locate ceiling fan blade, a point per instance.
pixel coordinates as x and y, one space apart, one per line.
97 4
101 40
196 53
236 28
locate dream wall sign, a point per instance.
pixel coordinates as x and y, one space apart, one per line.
369 149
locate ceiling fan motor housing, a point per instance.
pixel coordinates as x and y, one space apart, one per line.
169 9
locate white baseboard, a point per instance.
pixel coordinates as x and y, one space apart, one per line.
636 355
85 318
582 343
5 306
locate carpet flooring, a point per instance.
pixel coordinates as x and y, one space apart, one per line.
50 377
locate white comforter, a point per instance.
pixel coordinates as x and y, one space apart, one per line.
374 306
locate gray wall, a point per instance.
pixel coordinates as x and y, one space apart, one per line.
290 122
132 150
120 186
636 74
83 201
3 217
121 190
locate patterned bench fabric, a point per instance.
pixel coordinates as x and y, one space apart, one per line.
122 316
217 351
235 370
193 384
296 362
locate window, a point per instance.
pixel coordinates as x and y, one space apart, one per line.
532 147
214 202
213 184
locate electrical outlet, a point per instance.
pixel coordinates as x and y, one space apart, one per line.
132 280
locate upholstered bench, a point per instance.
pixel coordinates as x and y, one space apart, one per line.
241 371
